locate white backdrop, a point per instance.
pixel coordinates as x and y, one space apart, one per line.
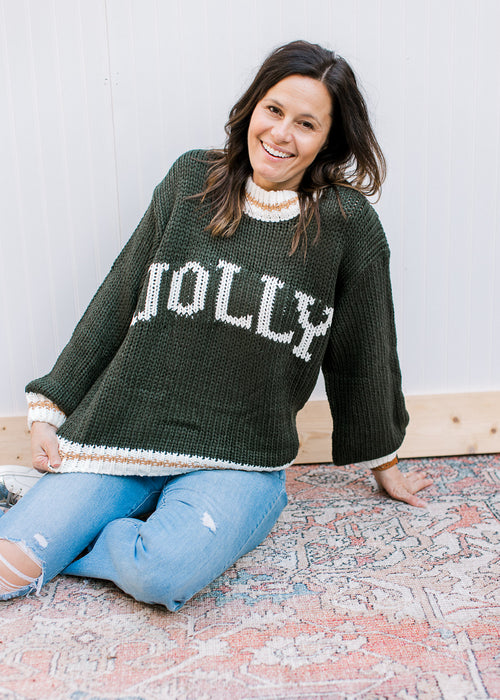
98 97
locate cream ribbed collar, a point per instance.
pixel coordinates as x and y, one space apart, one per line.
278 205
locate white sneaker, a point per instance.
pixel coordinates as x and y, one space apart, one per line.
15 481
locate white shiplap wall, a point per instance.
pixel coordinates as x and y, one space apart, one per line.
98 97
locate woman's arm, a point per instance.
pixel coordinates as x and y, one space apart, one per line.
363 382
100 332
361 369
104 324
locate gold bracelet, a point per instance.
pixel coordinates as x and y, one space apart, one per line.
385 466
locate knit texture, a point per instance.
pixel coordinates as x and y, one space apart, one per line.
197 352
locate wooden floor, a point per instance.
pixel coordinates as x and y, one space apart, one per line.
440 425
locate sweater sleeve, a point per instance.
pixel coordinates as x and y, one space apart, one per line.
373 463
101 330
361 369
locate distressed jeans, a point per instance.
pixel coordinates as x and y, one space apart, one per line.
200 523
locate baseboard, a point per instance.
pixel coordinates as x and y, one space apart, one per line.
440 425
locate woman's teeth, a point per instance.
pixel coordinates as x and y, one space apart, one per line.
273 152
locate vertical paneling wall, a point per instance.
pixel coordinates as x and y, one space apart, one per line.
98 97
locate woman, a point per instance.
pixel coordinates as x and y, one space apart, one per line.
252 268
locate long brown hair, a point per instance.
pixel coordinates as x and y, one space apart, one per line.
351 157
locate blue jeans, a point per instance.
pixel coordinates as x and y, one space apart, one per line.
200 524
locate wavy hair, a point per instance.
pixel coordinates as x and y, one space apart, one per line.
351 157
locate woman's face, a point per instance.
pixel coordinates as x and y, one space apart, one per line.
287 130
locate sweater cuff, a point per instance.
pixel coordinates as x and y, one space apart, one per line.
41 409
372 463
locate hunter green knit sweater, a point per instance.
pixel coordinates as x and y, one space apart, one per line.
197 352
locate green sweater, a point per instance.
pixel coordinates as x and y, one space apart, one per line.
198 352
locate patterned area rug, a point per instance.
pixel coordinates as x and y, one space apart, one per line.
351 596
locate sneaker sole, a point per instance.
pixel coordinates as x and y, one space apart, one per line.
17 479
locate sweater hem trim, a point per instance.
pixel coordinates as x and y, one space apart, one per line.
120 461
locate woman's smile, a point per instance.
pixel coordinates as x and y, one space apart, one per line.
275 151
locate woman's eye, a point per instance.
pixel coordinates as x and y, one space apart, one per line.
308 125
273 109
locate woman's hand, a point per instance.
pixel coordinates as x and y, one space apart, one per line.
403 487
44 447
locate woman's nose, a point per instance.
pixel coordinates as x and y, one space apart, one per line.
281 132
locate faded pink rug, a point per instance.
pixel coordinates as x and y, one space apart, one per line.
351 596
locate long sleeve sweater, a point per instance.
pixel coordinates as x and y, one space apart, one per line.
197 352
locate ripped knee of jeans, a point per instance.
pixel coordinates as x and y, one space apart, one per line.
18 568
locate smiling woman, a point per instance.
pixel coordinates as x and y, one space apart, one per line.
169 419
